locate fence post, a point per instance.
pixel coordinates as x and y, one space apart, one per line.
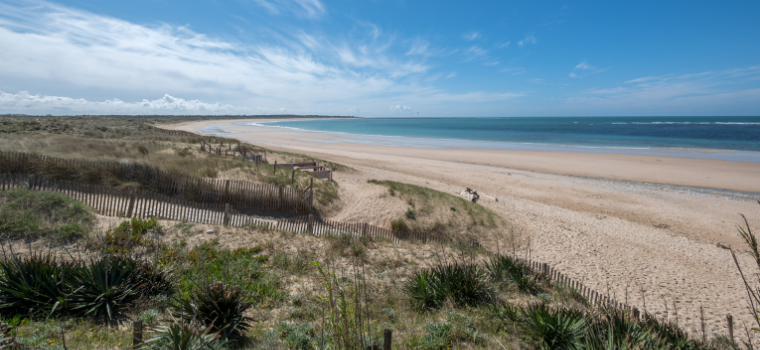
387 338
293 176
364 229
311 223
30 182
226 188
282 198
226 214
730 320
203 146
635 313
311 193
131 207
274 172
137 334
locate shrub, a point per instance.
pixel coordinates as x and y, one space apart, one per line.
409 214
504 269
445 335
103 288
615 328
183 337
425 291
554 328
27 213
399 225
130 234
299 336
33 285
464 284
219 307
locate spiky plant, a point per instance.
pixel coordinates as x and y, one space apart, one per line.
616 329
33 285
554 328
219 307
183 336
425 291
465 283
103 288
505 270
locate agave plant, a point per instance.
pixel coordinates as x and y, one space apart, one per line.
34 285
183 337
616 329
554 328
103 288
425 291
466 284
504 269
219 307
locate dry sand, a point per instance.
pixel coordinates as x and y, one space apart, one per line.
657 246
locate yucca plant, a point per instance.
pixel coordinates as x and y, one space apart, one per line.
554 328
503 269
183 336
33 285
616 329
465 283
102 289
219 307
425 291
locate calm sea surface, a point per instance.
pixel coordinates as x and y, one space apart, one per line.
680 136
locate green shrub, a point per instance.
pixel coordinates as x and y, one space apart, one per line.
183 337
399 225
462 283
130 234
554 328
301 336
615 328
446 335
103 288
33 285
409 214
26 213
504 269
219 307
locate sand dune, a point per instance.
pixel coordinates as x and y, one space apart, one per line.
657 245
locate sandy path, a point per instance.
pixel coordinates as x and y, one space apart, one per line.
658 243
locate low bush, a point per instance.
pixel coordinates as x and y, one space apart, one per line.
183 336
458 328
129 234
464 284
505 270
399 225
300 336
554 328
40 286
219 307
30 214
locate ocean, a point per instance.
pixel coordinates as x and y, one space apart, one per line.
729 138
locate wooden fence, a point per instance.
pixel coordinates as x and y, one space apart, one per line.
242 195
129 203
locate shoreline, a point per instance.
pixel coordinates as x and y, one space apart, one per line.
649 169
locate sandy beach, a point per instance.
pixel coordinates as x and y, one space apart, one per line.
650 230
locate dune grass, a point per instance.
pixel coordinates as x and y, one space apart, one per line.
43 214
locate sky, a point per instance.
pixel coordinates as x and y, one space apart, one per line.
381 58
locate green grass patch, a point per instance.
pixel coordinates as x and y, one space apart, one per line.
31 214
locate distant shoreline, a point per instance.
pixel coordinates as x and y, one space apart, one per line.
654 169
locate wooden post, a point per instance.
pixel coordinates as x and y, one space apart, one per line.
311 223
387 338
636 313
293 176
730 320
137 334
131 207
274 172
311 193
30 182
226 189
226 214
282 198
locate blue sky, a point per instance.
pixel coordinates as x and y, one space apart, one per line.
380 58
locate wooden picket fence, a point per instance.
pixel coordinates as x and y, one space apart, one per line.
144 204
242 195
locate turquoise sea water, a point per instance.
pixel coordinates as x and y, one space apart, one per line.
731 138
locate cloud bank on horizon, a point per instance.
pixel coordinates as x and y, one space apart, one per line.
378 59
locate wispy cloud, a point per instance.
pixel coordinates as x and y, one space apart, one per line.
514 70
503 45
583 69
471 36
451 75
697 93
305 8
530 39
400 109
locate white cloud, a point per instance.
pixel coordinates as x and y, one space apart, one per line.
513 71
305 8
530 39
400 109
572 75
471 36
492 63
583 69
451 75
23 101
77 53
584 66
506 44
